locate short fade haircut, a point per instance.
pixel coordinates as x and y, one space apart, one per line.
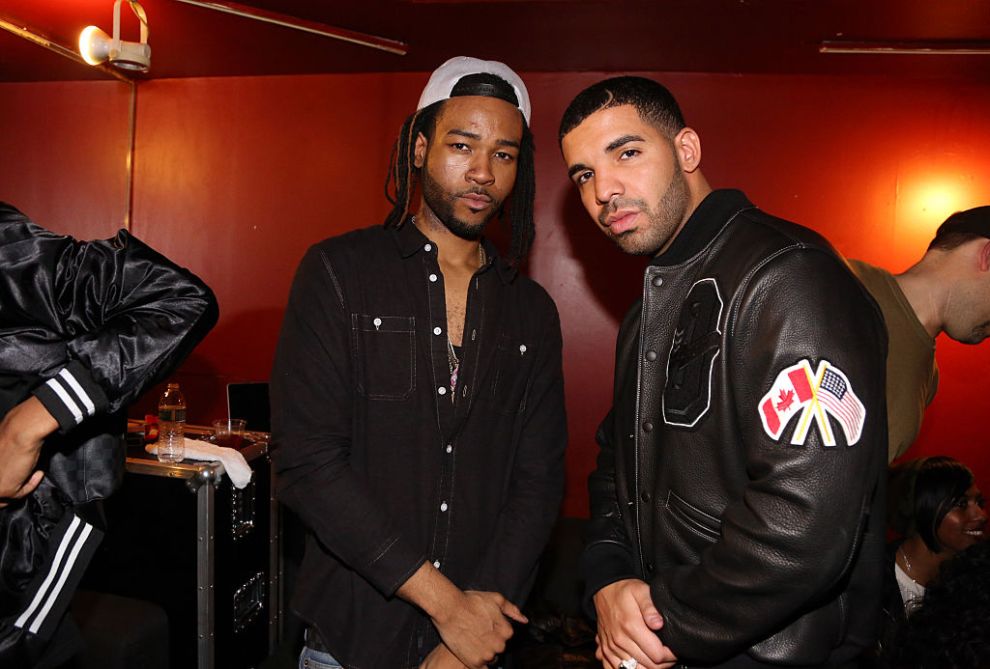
654 103
962 227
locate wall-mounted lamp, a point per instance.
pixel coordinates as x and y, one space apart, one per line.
96 46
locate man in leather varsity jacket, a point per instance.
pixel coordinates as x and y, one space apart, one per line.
85 327
735 518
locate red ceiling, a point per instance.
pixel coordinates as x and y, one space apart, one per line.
772 36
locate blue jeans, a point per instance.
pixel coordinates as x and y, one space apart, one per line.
317 659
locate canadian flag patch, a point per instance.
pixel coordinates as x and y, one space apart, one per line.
813 395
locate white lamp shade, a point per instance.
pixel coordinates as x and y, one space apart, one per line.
94 45
97 47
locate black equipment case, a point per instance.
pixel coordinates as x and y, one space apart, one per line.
182 536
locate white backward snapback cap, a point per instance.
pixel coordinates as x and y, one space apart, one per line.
444 78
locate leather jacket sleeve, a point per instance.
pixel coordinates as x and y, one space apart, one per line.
608 556
88 326
787 542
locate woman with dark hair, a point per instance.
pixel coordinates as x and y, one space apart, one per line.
934 504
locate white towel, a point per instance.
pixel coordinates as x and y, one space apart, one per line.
233 462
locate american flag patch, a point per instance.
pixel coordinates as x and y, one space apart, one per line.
814 395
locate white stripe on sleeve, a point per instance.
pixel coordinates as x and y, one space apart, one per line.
78 389
57 590
69 403
52 571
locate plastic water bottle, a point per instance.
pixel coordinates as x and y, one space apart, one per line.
171 425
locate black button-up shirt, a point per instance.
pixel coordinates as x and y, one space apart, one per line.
384 469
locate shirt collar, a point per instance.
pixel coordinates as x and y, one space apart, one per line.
703 226
409 240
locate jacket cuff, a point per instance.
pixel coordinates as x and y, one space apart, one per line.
71 396
602 564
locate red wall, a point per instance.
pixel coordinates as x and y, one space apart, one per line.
235 177
63 153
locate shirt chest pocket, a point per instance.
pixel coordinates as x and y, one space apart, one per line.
513 365
384 355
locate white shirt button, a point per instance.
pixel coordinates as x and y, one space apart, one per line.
436 564
450 449
443 506
433 278
442 390
437 331
428 247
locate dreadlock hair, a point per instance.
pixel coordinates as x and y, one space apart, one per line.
399 181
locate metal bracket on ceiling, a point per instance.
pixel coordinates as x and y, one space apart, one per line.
295 23
908 48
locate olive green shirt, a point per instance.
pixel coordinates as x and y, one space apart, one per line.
912 373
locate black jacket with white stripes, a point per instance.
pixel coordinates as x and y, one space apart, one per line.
85 327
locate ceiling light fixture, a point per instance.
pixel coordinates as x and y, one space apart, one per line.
96 46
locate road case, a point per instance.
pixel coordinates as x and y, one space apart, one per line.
182 536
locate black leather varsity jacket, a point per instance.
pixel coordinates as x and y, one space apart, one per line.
85 327
741 463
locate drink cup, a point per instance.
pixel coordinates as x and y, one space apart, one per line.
229 432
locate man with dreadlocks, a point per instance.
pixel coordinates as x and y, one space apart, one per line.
417 397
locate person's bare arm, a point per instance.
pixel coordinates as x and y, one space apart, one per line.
22 432
441 657
472 624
